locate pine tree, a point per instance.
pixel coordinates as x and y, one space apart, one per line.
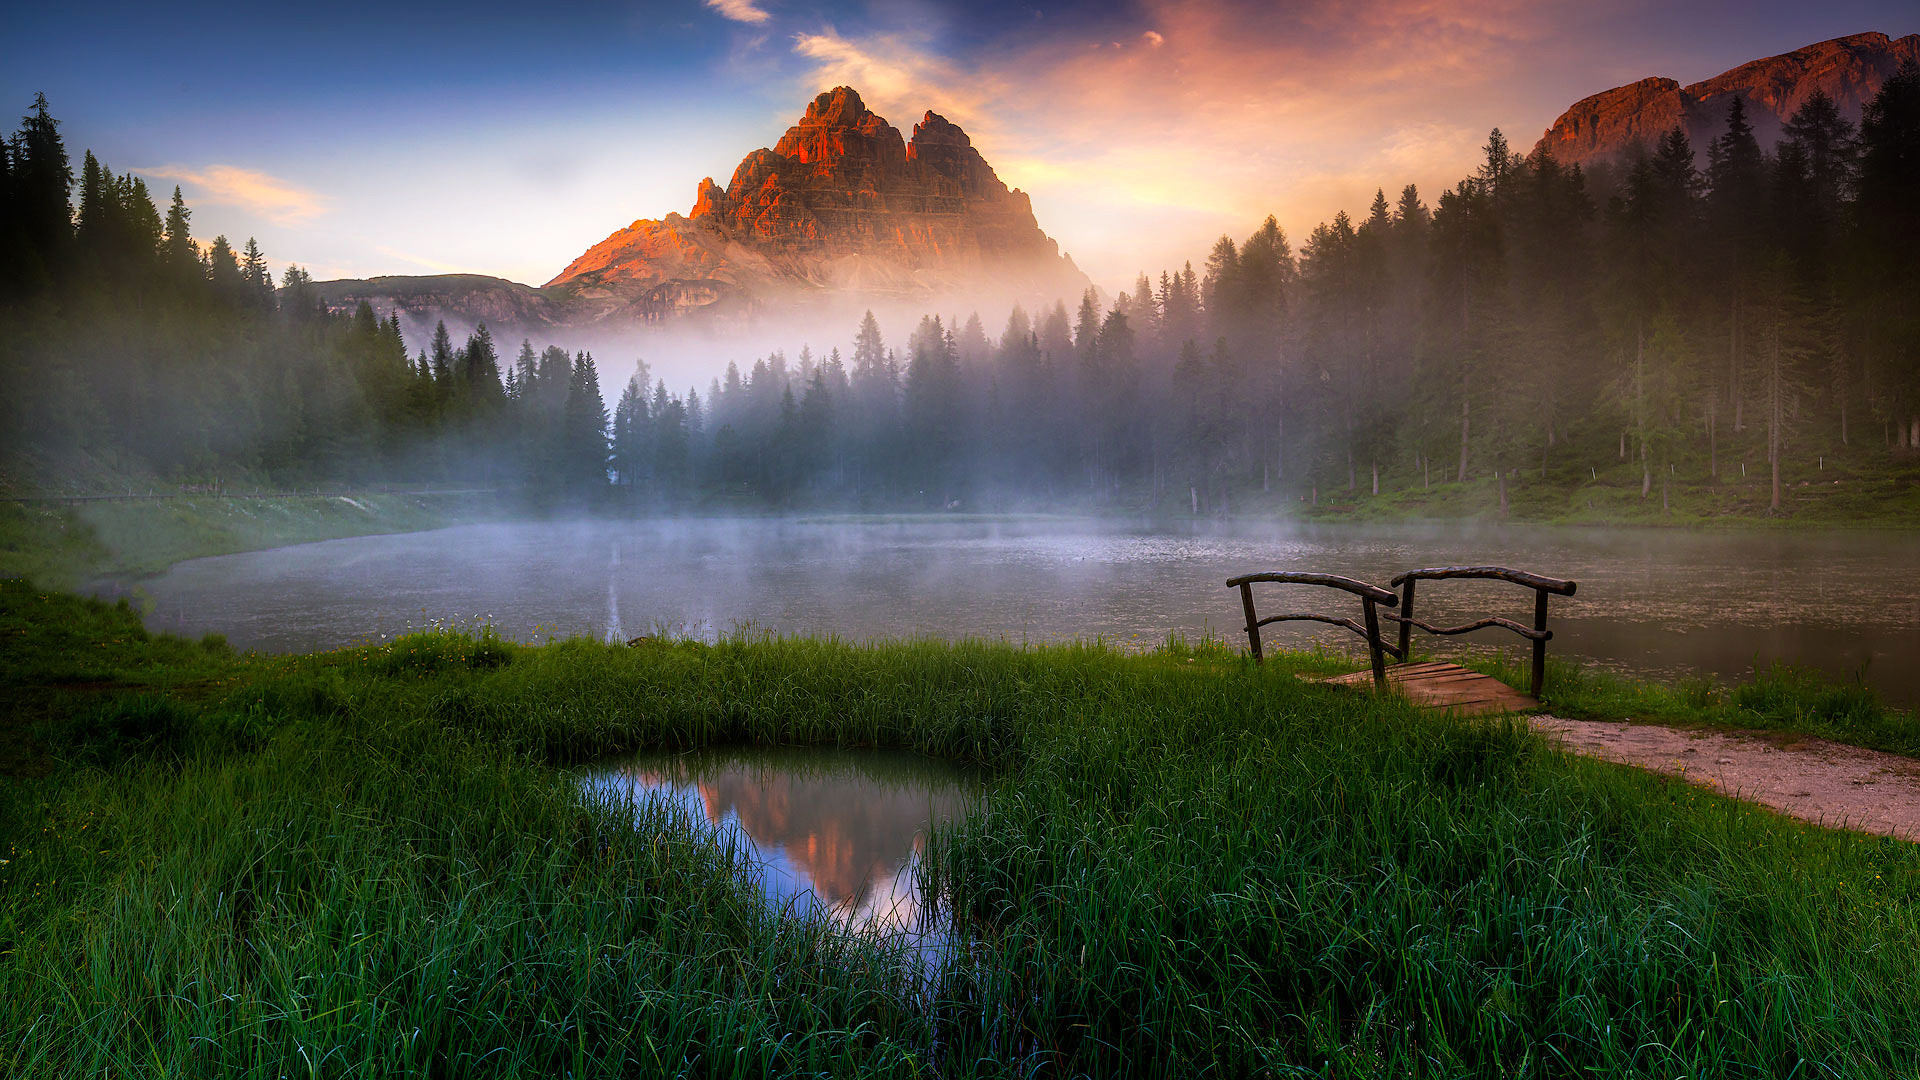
1886 277
258 279
224 274
297 296
869 351
632 435
178 252
1086 327
1736 202
479 371
672 450
98 207
39 213
440 361
585 427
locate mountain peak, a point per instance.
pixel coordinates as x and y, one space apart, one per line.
840 105
1847 69
837 125
840 203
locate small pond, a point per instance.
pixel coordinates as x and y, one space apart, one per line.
831 834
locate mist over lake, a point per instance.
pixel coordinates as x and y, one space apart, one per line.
1654 602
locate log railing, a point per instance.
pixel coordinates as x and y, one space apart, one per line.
1538 634
1372 598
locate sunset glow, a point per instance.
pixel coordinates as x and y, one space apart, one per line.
364 143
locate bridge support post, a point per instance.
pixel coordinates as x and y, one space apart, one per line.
1406 628
1253 621
1373 643
1539 643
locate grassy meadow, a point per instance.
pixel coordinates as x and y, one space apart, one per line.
374 862
69 545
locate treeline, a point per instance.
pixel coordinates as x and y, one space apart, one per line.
128 347
1533 325
1691 321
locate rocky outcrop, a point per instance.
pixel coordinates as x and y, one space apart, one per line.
1849 69
842 203
470 298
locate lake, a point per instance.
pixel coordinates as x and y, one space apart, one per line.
1652 602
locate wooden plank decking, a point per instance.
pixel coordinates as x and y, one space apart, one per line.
1449 687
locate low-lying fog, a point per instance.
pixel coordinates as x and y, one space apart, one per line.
1654 602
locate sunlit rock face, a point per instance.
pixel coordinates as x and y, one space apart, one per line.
841 203
1850 70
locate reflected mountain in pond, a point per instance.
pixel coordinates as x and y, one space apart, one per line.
835 834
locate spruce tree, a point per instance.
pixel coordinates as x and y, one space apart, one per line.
224 276
257 278
39 178
178 253
584 425
632 436
440 361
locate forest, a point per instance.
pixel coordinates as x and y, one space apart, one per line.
1690 315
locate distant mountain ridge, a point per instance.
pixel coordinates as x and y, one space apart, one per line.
419 298
1849 69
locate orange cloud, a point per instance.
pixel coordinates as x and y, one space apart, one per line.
743 11
276 200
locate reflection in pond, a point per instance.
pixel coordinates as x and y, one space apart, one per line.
833 834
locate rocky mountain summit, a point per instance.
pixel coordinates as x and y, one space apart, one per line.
1849 69
842 211
841 203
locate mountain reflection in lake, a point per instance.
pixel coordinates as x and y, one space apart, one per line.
833 834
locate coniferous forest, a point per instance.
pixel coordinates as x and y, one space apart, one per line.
1729 317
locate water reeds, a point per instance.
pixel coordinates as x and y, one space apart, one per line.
372 863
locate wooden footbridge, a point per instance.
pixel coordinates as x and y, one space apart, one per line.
1430 684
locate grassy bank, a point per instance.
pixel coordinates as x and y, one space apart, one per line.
369 863
63 546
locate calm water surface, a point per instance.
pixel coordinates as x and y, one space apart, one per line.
830 834
1652 602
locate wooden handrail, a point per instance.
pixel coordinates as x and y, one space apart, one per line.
1331 621
1518 577
1531 635
1372 597
1542 587
1331 581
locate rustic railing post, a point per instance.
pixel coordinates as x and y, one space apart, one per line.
1373 643
1539 643
1253 623
1406 628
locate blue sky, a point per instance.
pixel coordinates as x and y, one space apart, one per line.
419 138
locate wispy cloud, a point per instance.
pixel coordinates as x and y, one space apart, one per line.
745 11
898 76
277 200
1220 112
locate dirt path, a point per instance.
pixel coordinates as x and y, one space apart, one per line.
1811 779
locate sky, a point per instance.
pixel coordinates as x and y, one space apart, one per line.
358 139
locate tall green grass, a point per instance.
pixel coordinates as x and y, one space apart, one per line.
374 863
